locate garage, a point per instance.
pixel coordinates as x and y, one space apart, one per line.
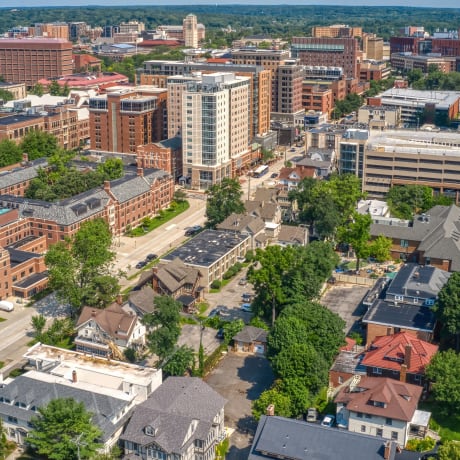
259 349
250 340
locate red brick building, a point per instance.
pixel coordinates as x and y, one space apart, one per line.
29 60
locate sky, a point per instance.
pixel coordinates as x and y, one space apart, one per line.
417 3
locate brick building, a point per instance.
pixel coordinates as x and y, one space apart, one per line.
123 119
336 31
29 60
337 52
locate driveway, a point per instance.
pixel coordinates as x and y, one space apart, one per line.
240 378
345 300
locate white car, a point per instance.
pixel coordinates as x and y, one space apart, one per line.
6 306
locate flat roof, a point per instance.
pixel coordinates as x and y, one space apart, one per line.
19 118
419 97
207 247
31 280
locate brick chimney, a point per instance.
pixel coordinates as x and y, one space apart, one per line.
403 373
140 171
407 355
270 411
387 450
74 376
107 185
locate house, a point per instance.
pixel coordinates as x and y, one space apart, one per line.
346 365
406 304
382 407
268 211
429 239
182 419
142 297
252 225
289 178
251 340
280 437
290 235
177 280
400 356
107 332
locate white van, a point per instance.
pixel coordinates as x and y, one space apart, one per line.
6 306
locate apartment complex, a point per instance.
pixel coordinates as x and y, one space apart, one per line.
50 30
214 125
125 118
408 157
29 60
335 52
269 59
157 73
287 88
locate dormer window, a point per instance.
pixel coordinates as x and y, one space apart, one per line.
379 404
149 430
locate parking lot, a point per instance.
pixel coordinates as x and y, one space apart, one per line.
345 300
240 378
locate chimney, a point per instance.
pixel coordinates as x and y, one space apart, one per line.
107 185
25 157
119 299
402 373
74 376
387 450
270 411
407 355
140 172
93 313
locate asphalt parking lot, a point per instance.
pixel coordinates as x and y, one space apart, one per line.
345 300
240 378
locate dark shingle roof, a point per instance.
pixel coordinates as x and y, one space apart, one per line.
22 174
279 437
251 334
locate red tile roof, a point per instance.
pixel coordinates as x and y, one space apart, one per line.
350 344
302 173
394 399
388 352
86 59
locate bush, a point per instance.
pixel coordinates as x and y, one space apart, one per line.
420 445
130 355
357 337
216 284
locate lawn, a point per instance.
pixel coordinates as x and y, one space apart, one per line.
448 426
164 216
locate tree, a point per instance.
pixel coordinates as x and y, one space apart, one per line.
6 95
443 372
54 89
111 169
38 144
405 201
380 248
60 426
449 450
223 200
273 396
180 196
180 362
231 328
447 308
38 90
163 326
10 153
80 268
3 441
357 234
298 394
38 323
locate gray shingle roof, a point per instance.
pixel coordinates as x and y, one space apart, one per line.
34 392
176 274
242 223
171 409
279 437
251 334
22 174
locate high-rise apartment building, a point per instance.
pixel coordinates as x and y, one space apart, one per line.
157 73
287 96
215 126
125 118
29 60
50 30
190 27
335 52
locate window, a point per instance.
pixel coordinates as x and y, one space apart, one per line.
388 421
399 297
359 415
377 370
368 416
429 302
363 428
379 432
394 435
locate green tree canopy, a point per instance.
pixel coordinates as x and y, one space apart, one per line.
38 144
180 362
111 169
3 441
6 95
58 428
163 326
223 200
443 372
448 308
273 396
80 268
10 153
449 450
380 248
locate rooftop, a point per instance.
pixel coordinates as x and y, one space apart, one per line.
207 247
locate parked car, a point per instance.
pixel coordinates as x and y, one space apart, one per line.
246 307
274 175
243 282
141 264
220 334
328 420
312 415
150 257
214 312
246 298
193 230
6 306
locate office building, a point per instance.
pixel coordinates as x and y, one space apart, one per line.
27 61
215 127
351 152
287 88
125 118
336 31
190 27
372 47
335 52
404 157
50 30
406 62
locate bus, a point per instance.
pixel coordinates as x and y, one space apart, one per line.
260 171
